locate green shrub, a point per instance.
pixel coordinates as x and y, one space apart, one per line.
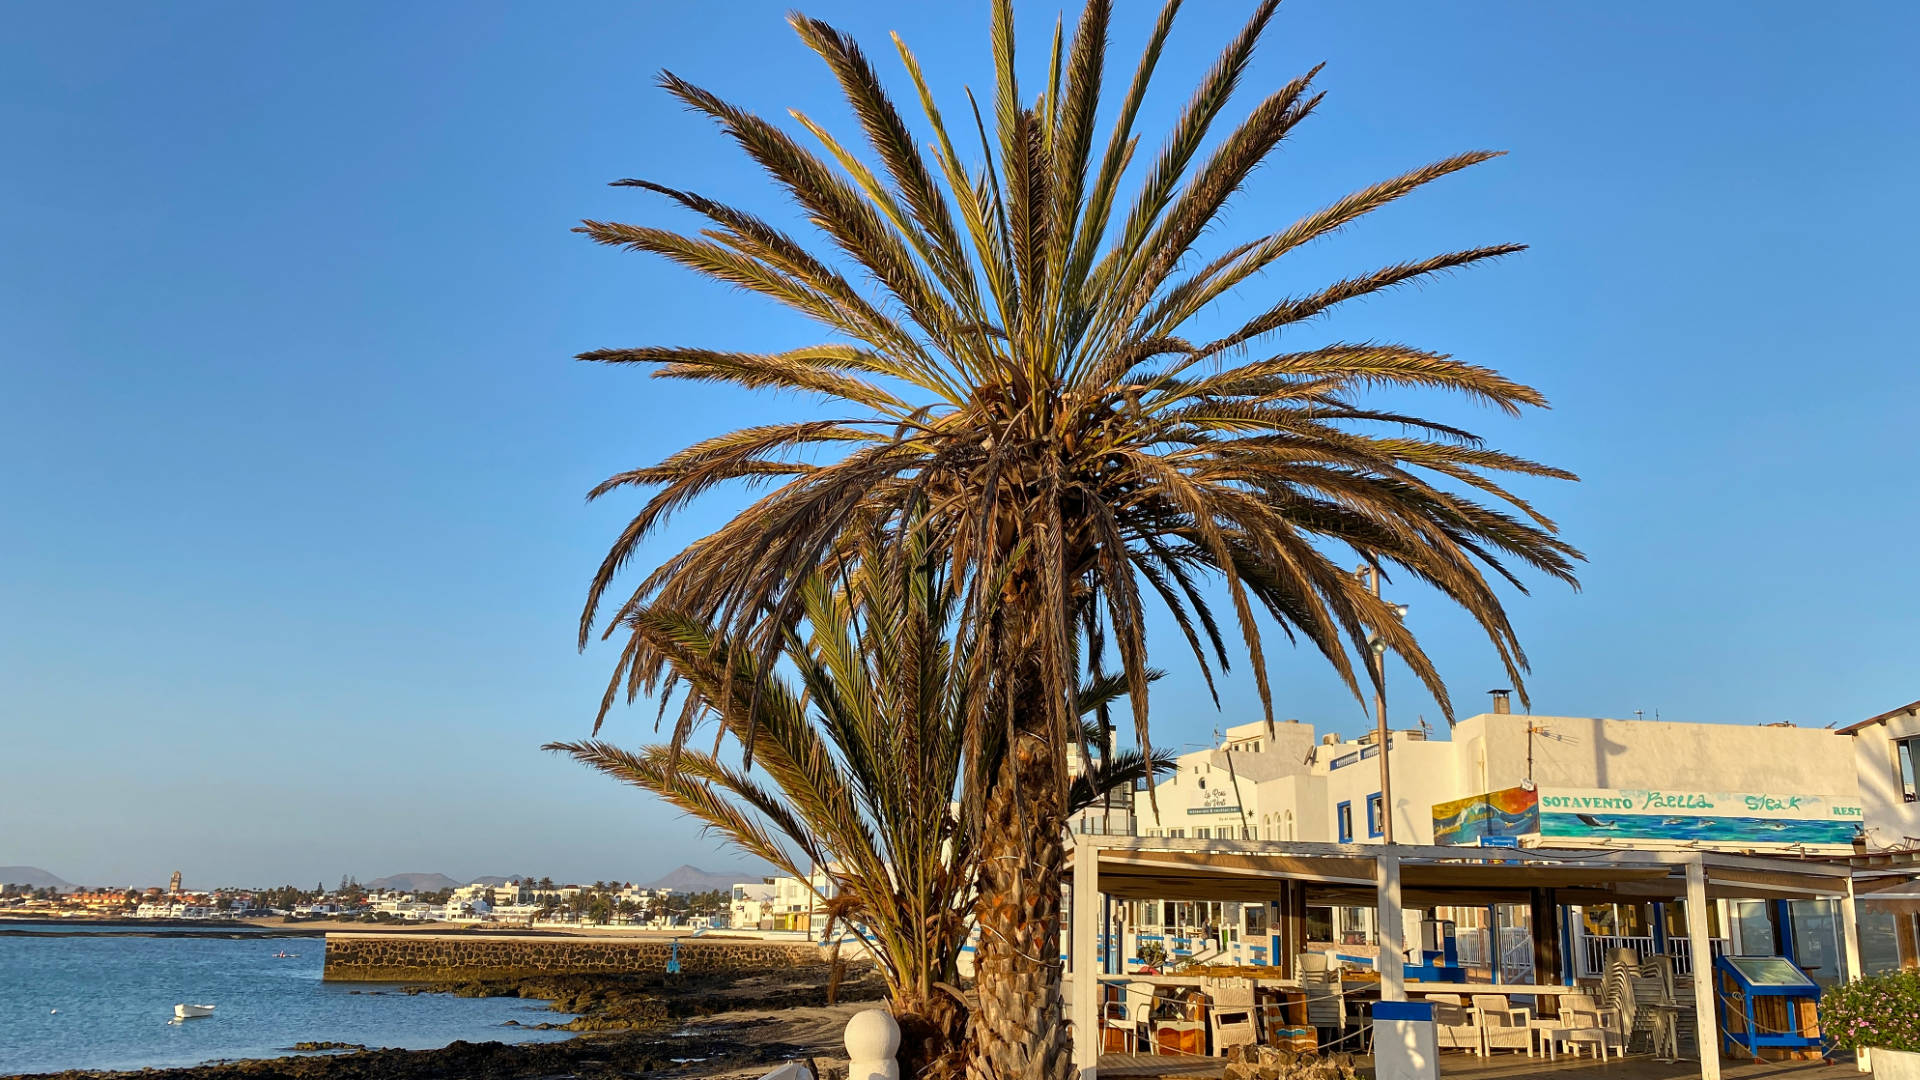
1878 1011
1152 954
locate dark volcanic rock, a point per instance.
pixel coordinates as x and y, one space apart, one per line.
639 1015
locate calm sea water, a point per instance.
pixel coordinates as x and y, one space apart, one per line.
115 993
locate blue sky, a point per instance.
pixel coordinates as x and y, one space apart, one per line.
292 537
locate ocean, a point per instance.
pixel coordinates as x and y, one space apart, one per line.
104 1002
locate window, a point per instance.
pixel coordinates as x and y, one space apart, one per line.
1287 825
1202 834
1343 817
1904 753
1176 834
1256 919
1376 815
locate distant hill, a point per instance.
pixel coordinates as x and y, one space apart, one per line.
692 879
33 878
489 880
413 883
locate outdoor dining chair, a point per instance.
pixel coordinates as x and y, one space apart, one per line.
1454 1026
1503 1027
1230 1017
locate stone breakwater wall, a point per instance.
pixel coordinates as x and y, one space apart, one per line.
417 957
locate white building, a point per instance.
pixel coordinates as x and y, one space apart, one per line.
752 905
1886 753
1553 781
1499 779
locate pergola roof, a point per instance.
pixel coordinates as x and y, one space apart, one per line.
1144 868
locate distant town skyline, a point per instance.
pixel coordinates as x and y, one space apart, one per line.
293 545
685 878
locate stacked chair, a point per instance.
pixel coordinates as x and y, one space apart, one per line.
1639 991
1326 996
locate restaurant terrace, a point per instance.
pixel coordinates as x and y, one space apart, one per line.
1103 1006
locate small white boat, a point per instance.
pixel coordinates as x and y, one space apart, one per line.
189 1012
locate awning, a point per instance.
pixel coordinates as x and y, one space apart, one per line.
1145 868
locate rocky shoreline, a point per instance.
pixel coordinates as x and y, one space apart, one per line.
630 1025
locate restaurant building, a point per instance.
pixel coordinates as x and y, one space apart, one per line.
1501 779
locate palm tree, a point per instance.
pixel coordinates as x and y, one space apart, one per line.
1028 355
866 750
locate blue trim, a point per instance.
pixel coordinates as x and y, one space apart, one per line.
1374 825
1403 1010
1566 945
1783 930
1343 820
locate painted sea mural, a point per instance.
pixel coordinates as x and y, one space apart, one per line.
1722 819
1509 813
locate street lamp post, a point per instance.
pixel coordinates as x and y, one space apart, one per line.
1377 648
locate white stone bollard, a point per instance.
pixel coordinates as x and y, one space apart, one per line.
872 1040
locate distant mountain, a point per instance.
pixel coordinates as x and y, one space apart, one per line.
413 883
692 879
33 878
491 880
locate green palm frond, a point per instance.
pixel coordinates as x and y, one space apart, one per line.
1023 366
860 735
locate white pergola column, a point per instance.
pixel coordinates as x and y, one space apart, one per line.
1707 1024
1850 932
1850 942
1084 927
1389 930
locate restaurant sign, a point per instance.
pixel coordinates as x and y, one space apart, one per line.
1721 818
1734 818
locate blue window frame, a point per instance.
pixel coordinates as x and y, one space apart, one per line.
1376 813
1343 817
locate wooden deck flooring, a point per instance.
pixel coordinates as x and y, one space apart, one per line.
1504 1067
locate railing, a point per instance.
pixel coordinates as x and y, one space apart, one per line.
1516 951
1591 951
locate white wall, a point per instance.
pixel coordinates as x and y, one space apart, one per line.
1587 752
1424 772
1891 821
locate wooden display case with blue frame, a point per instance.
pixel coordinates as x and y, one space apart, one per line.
1769 1008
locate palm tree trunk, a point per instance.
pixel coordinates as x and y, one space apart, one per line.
1017 1031
932 1036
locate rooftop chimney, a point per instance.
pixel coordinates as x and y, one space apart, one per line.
1501 706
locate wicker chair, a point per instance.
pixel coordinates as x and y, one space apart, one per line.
1230 1016
1454 1025
1503 1027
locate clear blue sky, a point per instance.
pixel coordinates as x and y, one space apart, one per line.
291 530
